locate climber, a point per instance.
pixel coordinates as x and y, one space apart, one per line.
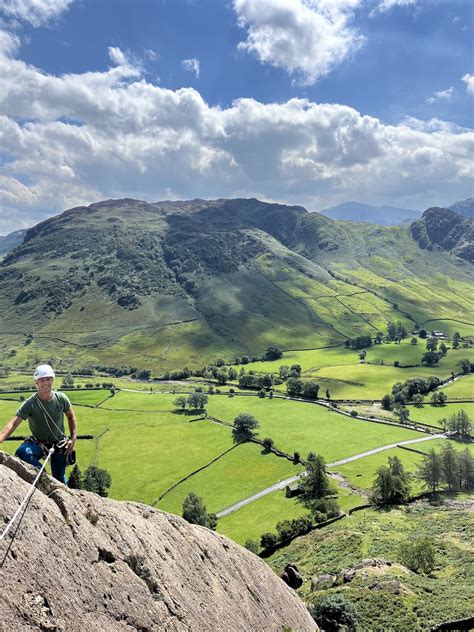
45 412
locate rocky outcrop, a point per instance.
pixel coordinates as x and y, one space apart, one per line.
443 229
82 562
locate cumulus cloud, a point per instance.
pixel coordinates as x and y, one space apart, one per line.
192 65
387 5
306 38
441 95
79 138
469 81
36 12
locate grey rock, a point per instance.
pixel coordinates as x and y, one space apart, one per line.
86 563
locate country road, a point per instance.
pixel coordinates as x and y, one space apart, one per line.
292 479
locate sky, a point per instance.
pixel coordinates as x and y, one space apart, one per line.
311 102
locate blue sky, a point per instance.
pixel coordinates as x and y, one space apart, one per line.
312 102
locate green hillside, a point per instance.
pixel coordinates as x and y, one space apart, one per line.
173 284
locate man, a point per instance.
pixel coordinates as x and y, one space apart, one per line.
45 412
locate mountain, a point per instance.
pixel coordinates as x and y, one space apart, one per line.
10 241
445 230
383 215
174 284
84 562
465 208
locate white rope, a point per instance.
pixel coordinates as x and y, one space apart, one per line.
27 497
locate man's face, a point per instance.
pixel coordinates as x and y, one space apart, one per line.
44 384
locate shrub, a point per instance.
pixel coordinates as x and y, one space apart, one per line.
335 612
418 555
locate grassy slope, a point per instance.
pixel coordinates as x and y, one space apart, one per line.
446 594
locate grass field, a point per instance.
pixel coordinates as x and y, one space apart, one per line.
433 414
462 388
305 427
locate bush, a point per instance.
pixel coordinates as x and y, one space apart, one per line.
195 512
418 555
354 413
268 443
252 545
335 612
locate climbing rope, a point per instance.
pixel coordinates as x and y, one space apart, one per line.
23 506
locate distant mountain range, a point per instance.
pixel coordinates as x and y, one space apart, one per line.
174 284
466 208
10 241
387 215
382 215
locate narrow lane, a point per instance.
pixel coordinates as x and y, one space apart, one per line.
292 479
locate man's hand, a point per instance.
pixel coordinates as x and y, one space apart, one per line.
11 426
70 446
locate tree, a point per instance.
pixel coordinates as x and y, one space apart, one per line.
378 338
422 333
310 390
268 443
268 540
272 353
97 480
443 349
244 360
194 511
460 424
414 341
430 358
466 470
403 414
431 344
283 371
180 402
68 381
450 465
439 398
391 484
294 386
387 402
417 399
295 370
430 470
316 483
328 394
74 480
197 401
335 612
418 555
465 366
456 339
244 425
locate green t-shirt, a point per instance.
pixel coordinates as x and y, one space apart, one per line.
50 426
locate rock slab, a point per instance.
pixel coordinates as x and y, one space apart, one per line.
82 562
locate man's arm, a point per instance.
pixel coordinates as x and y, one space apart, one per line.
11 426
71 419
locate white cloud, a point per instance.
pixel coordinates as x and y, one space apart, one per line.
307 38
151 54
469 81
36 12
192 65
387 5
117 56
441 95
79 138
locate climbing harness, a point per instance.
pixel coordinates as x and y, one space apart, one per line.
23 507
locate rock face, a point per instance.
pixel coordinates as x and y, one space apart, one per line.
444 229
81 562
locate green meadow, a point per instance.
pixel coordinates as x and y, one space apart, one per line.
433 414
462 388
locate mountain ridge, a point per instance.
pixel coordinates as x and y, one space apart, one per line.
202 279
